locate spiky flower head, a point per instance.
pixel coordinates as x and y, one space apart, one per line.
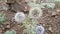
40 29
35 13
19 17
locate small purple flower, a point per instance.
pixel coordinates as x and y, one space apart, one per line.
40 29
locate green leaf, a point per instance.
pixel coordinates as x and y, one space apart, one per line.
50 5
31 4
57 0
10 32
2 18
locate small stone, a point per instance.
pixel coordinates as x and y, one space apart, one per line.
44 25
54 14
50 29
3 28
58 11
50 21
25 9
19 27
8 26
0 30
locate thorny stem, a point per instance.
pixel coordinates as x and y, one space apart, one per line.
30 25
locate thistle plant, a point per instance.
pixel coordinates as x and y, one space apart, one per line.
19 17
35 13
41 5
30 25
10 32
2 18
31 22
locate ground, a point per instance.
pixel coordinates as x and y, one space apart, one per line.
50 22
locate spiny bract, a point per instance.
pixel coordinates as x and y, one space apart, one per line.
35 12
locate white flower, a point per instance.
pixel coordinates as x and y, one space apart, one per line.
40 29
35 12
19 17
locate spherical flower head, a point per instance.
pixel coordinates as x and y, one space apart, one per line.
19 17
40 29
35 13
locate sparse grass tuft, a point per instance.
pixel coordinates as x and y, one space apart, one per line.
2 18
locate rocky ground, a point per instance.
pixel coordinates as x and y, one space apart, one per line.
50 20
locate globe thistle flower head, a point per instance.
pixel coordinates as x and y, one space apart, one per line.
19 17
40 29
35 12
